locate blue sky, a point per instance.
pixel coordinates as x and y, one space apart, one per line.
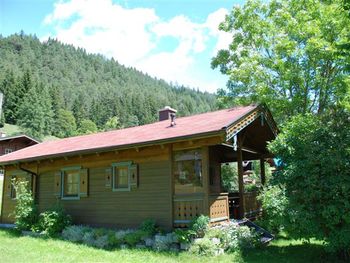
173 40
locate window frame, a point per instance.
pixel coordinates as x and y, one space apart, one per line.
67 169
116 166
18 174
199 189
8 150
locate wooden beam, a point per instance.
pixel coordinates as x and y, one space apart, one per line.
262 171
240 175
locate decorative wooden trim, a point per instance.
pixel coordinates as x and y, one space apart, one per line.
235 128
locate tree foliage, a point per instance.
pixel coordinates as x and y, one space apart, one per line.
285 53
315 152
90 86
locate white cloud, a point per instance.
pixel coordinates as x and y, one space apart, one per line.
133 37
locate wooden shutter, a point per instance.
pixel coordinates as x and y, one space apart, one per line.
134 176
57 186
84 182
108 177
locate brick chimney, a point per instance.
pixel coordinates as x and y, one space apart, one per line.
165 113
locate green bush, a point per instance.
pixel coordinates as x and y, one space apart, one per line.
274 203
203 247
184 236
315 154
53 221
149 226
199 225
135 237
236 237
74 233
26 212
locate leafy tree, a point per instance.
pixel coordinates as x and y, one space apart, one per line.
229 177
285 53
87 127
132 121
112 124
90 86
65 124
315 153
35 112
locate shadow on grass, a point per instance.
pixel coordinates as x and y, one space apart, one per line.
292 253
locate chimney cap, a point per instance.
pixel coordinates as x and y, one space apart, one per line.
168 108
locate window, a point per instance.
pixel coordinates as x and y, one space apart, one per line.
20 177
71 183
8 150
121 176
188 172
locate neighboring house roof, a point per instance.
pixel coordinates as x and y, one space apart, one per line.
20 136
158 132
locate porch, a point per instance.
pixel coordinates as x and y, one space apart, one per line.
205 193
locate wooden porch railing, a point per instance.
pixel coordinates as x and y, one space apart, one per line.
186 208
251 204
219 210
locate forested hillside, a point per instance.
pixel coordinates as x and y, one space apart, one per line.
55 89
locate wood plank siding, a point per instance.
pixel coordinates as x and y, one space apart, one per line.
104 207
152 198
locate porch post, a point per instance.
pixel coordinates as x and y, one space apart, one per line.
262 171
240 176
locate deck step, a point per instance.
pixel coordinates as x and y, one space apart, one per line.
266 236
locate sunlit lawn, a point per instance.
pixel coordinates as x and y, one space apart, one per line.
14 248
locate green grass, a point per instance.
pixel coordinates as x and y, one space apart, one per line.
10 129
16 248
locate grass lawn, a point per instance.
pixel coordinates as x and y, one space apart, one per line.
14 248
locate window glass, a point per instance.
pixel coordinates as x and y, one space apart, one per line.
71 184
121 177
188 172
8 150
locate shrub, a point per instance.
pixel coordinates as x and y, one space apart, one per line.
199 225
204 247
184 236
149 226
89 238
53 222
135 237
26 213
274 203
74 233
120 235
237 237
315 154
101 241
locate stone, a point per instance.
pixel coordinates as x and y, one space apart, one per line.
184 246
140 246
174 247
124 246
149 242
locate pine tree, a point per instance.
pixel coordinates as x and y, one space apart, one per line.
35 114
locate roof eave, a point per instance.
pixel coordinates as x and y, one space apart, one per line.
118 147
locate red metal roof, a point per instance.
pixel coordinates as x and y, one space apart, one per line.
154 132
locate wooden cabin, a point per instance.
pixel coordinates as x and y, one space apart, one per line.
9 144
168 170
